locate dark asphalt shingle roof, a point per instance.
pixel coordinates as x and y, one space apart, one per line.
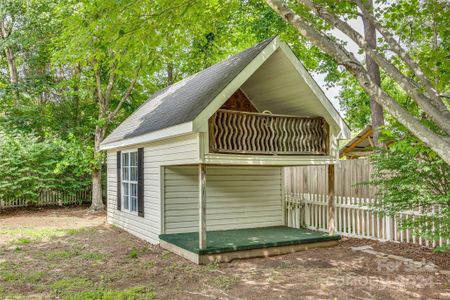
185 100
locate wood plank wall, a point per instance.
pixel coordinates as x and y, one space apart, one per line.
305 190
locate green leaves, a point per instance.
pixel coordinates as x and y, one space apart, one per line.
30 165
410 177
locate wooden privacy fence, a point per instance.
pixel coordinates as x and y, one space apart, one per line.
306 203
50 197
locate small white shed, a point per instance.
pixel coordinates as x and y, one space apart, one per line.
206 154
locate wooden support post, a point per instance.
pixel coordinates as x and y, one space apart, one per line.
331 206
283 197
202 206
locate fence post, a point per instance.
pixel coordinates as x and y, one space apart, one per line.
331 206
390 224
306 198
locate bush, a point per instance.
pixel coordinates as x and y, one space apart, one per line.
29 165
410 177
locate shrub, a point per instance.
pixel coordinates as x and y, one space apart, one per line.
410 177
30 165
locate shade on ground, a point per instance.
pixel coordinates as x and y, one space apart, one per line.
246 239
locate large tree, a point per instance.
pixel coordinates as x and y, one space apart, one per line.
119 47
370 34
312 18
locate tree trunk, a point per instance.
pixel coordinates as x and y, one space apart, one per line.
10 60
170 78
76 95
430 104
11 65
437 143
13 77
97 199
374 72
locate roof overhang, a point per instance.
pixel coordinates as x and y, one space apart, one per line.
345 131
199 124
362 140
329 112
235 84
154 136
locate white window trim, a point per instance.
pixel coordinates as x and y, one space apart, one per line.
129 183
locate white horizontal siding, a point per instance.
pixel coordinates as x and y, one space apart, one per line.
236 197
180 150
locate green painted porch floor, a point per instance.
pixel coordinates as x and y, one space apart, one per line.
246 239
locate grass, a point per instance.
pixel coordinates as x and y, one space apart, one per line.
95 256
30 277
62 254
212 266
35 277
9 276
24 236
222 281
67 286
134 293
23 241
133 253
75 251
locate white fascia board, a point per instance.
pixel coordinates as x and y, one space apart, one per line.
315 88
201 121
265 160
173 131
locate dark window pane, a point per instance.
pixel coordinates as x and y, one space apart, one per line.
125 188
125 201
134 173
133 204
125 175
133 189
133 159
125 159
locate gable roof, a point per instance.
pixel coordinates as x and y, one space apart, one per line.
184 107
183 101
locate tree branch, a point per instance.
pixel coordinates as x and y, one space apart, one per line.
397 48
441 118
348 60
98 83
110 85
125 96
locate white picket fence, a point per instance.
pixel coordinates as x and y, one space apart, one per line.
306 204
353 218
47 198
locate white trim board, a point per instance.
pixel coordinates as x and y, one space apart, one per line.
267 160
201 121
173 131
317 90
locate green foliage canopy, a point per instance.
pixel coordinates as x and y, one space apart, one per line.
30 166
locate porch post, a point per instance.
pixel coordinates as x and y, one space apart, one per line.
331 208
202 206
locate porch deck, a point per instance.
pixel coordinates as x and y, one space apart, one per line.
225 245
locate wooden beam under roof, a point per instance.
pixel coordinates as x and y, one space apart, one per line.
366 133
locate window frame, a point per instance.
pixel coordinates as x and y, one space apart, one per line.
129 182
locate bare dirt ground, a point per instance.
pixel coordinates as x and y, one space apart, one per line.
17 223
71 254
